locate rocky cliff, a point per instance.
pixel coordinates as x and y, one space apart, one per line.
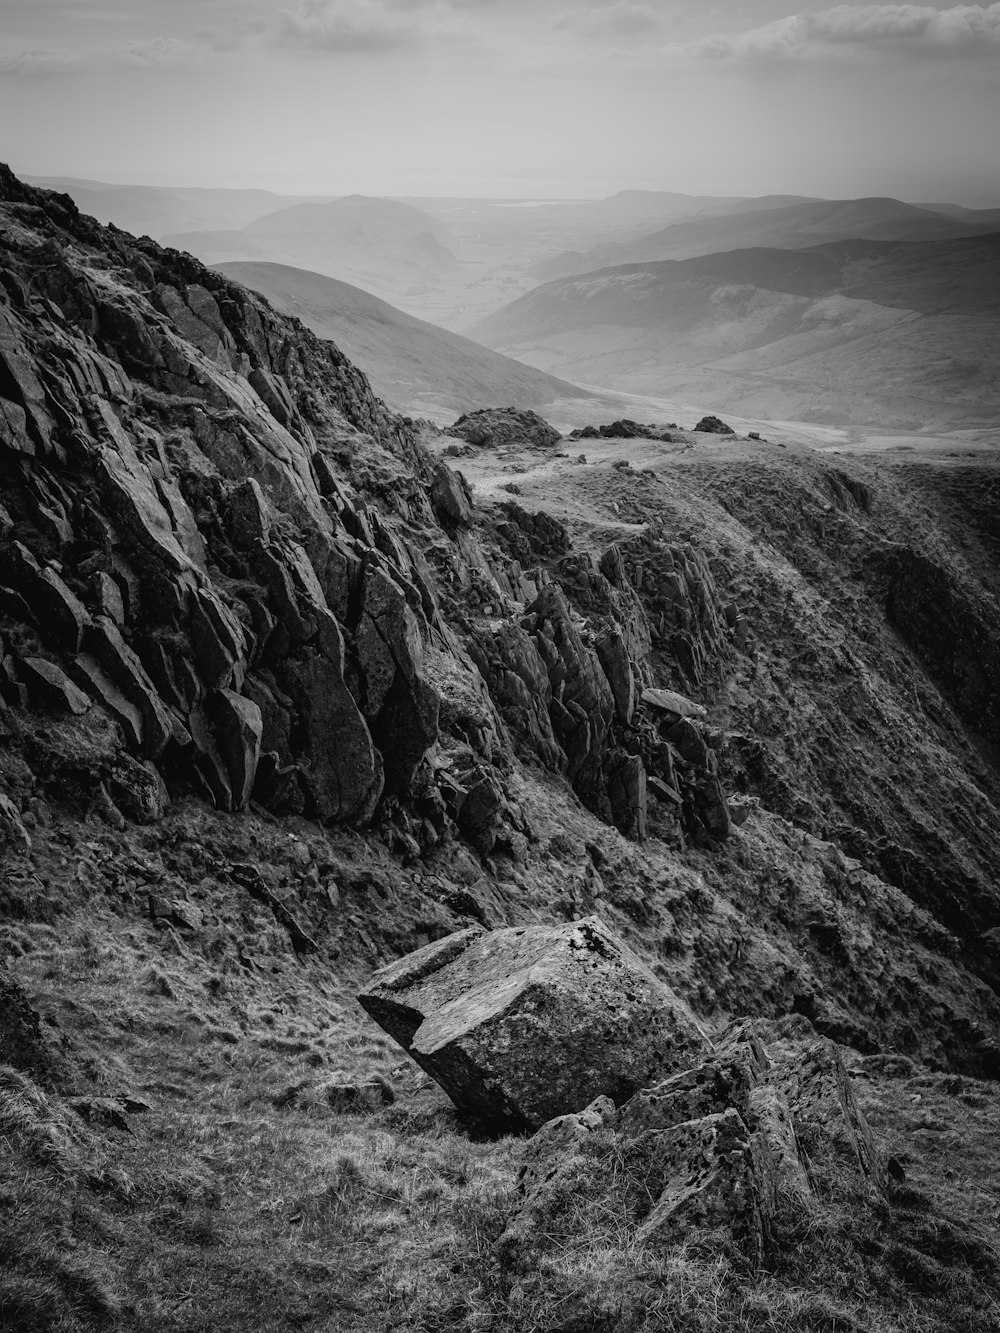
230 574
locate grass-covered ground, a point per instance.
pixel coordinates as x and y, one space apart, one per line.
272 1161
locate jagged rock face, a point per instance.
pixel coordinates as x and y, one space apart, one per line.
183 551
518 1025
178 551
568 674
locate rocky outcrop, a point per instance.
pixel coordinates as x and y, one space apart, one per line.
714 426
713 1149
623 429
522 1024
22 1044
183 550
495 426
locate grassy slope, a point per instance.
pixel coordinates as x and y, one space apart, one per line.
415 366
248 1198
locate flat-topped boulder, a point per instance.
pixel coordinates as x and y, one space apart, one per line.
529 1022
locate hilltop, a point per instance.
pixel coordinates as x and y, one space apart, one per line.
286 697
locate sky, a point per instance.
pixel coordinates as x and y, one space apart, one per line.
518 98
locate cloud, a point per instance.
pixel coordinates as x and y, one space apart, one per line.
344 26
619 19
850 31
156 53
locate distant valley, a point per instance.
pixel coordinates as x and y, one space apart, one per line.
862 332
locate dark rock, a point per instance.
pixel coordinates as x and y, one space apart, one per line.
238 731
137 789
495 426
51 686
614 658
717 1174
451 497
101 1112
13 834
401 707
345 774
88 673
177 912
521 1024
626 780
57 611
21 1042
105 643
713 426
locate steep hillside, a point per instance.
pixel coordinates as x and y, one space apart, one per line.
853 332
777 223
416 367
283 699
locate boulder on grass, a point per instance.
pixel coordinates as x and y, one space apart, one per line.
526 1023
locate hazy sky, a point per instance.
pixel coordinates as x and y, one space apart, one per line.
508 97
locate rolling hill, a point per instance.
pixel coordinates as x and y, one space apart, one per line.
868 332
417 367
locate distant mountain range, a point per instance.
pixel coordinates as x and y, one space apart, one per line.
454 261
386 246
416 367
868 332
777 222
156 210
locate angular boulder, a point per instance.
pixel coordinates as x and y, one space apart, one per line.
530 1022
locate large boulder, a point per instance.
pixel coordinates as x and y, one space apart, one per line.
530 1022
714 426
494 426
